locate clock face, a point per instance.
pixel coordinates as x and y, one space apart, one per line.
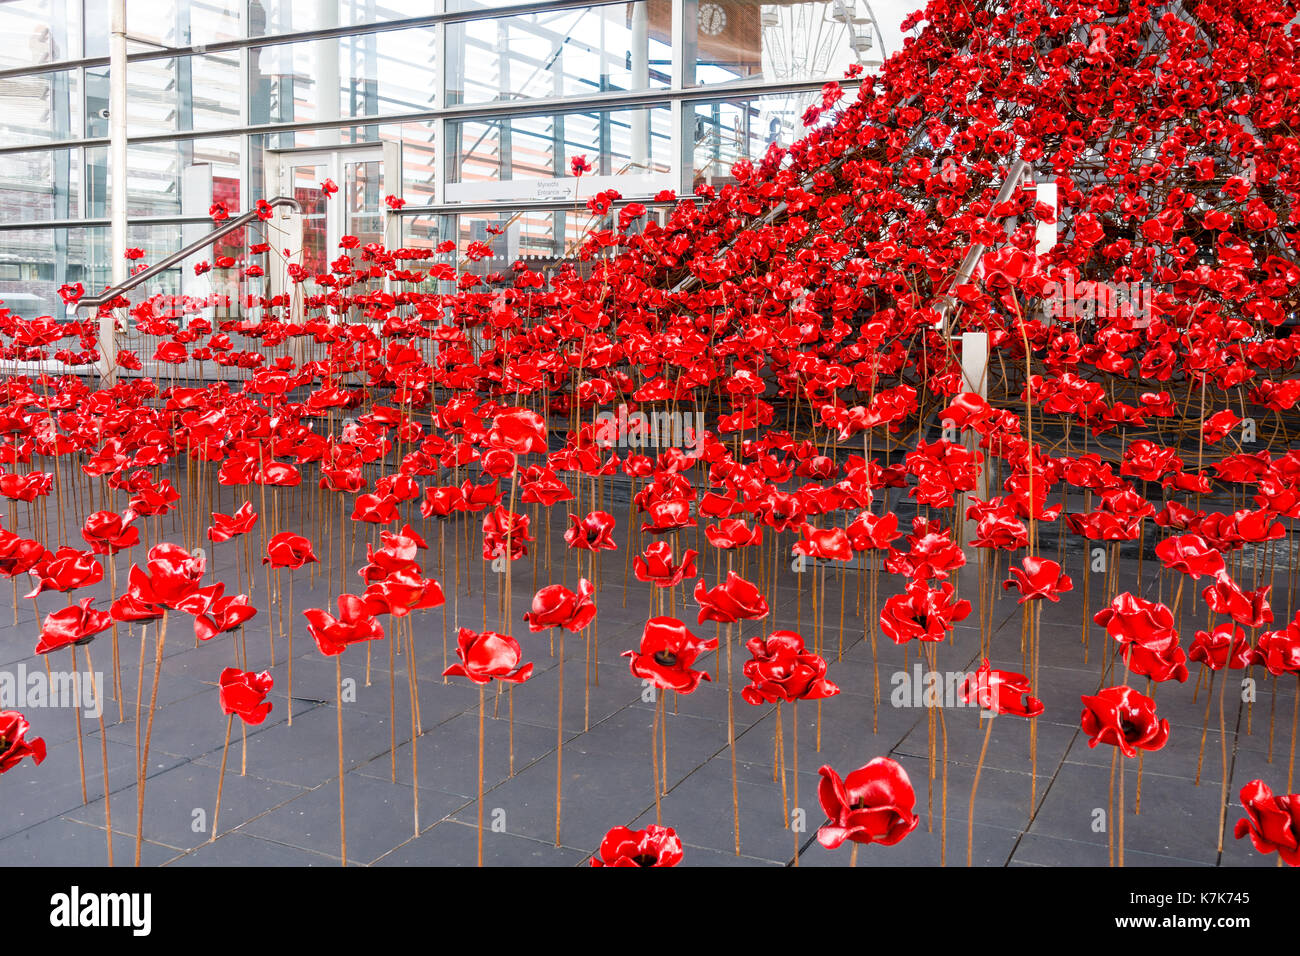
713 19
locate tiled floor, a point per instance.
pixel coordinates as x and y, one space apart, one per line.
283 810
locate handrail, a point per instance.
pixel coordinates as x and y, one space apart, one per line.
225 229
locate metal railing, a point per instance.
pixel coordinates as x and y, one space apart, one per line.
225 229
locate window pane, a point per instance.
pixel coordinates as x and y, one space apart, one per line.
369 75
39 31
40 108
743 128
529 157
729 41
39 185
558 53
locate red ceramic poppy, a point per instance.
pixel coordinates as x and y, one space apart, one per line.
873 804
592 533
72 625
1226 645
667 652
782 669
733 600
66 570
733 533
656 564
289 550
922 614
224 527
1122 717
1038 578
355 623
1133 619
222 614
557 606
1279 651
1002 692
933 553
108 532
1273 822
1191 554
243 693
170 576
653 846
1248 608
18 555
14 745
518 430
488 656
501 527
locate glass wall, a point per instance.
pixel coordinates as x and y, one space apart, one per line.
480 107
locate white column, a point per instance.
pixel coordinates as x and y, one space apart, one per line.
1045 234
974 378
117 177
327 71
641 81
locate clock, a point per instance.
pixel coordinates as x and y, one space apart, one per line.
713 19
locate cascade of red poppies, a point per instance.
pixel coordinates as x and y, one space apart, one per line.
778 368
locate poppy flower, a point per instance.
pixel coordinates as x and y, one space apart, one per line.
1122 717
933 553
1161 660
243 693
441 502
667 652
402 591
831 544
289 550
224 527
375 509
1191 554
66 570
1225 645
653 846
579 165
18 555
1248 608
733 533
592 533
1038 578
355 623
133 607
557 606
108 532
922 613
500 525
733 600
873 804
782 669
72 625
488 656
1279 651
656 564
1133 619
519 430
1002 692
1273 822
14 745
222 614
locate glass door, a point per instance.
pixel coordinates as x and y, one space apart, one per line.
356 209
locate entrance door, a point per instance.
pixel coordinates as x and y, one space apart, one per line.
362 174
